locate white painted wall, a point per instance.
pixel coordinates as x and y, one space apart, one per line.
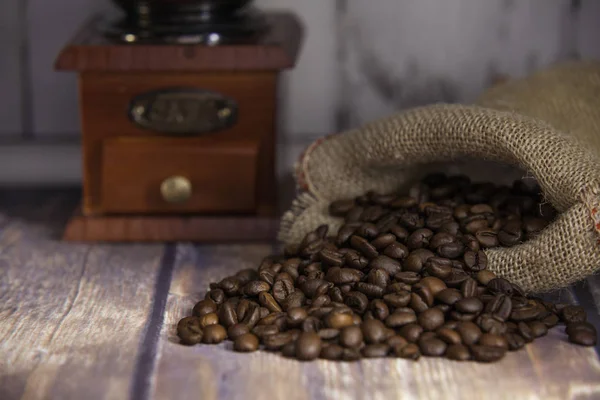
360 60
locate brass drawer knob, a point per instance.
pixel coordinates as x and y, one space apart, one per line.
176 189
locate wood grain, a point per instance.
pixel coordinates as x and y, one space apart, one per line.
192 228
72 315
222 175
217 372
105 100
278 49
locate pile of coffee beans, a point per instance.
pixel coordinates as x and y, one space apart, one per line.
404 276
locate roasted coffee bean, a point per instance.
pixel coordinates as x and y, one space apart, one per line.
398 287
252 316
354 214
331 352
363 246
515 341
375 350
255 287
214 334
308 346
571 314
583 338
487 238
328 333
230 286
373 331
449 336
409 351
400 232
383 241
294 300
525 331
468 288
351 336
379 309
321 301
237 330
432 347
500 285
372 213
338 320
208 319
419 239
551 321
227 314
462 317
311 324
189 331
431 319
475 261
399 319
367 230
484 277
439 270
389 265
487 353
456 278
409 278
246 343
340 208
417 302
340 276
246 275
277 341
203 307
469 332
216 295
396 251
416 260
574 326
448 296
357 301
398 299
488 339
471 305
490 324
411 332
434 286
538 328
527 313
458 352
370 290
379 277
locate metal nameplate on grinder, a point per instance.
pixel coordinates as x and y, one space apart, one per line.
183 111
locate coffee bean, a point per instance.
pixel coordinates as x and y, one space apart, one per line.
357 301
407 277
488 339
416 260
399 319
468 288
389 265
527 313
456 278
370 290
328 333
475 261
311 324
246 343
515 341
469 332
411 332
214 334
448 296
237 330
484 277
583 338
449 336
351 336
396 251
379 309
432 347
490 324
417 302
383 241
204 307
308 346
525 331
470 305
487 353
431 319
575 326
440 270
500 285
572 314
331 352
375 350
419 239
265 330
458 352
208 319
340 276
551 321
399 299
338 320
277 341
189 331
255 287
340 208
487 238
363 245
296 315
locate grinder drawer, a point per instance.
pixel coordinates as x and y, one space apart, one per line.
178 176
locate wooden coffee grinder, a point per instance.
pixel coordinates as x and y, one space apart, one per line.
178 106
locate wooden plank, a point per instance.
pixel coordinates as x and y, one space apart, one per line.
73 316
218 373
11 72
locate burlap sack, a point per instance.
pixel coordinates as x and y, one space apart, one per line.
546 125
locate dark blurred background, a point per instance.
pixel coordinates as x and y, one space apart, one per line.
361 60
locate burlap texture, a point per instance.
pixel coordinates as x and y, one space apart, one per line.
505 126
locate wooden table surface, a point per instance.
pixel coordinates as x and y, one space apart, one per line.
80 321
